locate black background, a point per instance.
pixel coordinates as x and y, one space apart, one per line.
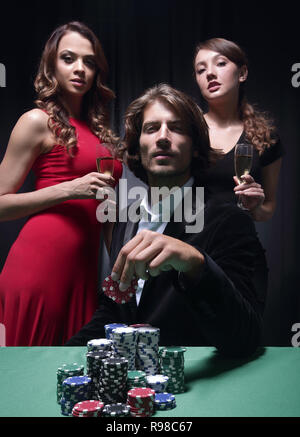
148 42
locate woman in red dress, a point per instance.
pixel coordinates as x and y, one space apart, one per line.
48 285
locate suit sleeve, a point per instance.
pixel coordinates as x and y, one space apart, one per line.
226 293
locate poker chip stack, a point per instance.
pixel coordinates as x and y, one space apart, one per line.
116 410
164 401
158 383
89 408
93 366
113 380
66 371
110 327
172 365
99 344
136 378
141 401
75 389
125 344
147 358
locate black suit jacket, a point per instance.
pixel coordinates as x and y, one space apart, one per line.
222 308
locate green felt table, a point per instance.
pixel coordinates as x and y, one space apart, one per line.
267 385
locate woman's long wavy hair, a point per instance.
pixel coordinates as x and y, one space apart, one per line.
95 108
258 127
187 110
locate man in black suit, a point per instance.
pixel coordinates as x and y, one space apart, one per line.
197 287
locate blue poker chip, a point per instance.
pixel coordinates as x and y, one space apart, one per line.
165 401
164 398
77 381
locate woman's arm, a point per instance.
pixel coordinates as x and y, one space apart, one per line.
270 176
26 143
260 200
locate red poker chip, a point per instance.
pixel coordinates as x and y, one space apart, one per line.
96 414
111 289
88 406
141 393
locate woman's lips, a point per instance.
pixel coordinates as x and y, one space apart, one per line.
78 82
213 86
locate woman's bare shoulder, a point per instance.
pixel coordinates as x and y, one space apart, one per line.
35 119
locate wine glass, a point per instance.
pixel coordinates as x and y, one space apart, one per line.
105 164
243 155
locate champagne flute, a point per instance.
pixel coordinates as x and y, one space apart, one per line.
243 155
105 164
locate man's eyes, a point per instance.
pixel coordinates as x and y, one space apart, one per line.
177 128
154 128
150 128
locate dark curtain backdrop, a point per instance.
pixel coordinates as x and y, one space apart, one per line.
147 42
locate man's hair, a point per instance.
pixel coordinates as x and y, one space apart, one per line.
191 116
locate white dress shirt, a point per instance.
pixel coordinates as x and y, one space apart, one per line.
155 221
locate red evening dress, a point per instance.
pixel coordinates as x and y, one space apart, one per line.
48 285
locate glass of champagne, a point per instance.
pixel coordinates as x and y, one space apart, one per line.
243 155
105 164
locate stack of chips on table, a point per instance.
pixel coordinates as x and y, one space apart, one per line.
147 358
64 372
136 378
164 401
88 409
124 344
93 365
141 401
116 410
75 389
113 380
172 365
110 380
110 327
158 383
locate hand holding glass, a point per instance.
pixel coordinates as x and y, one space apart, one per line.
243 155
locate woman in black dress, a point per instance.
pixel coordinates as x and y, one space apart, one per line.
221 70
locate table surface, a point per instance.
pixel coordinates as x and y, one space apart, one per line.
268 385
